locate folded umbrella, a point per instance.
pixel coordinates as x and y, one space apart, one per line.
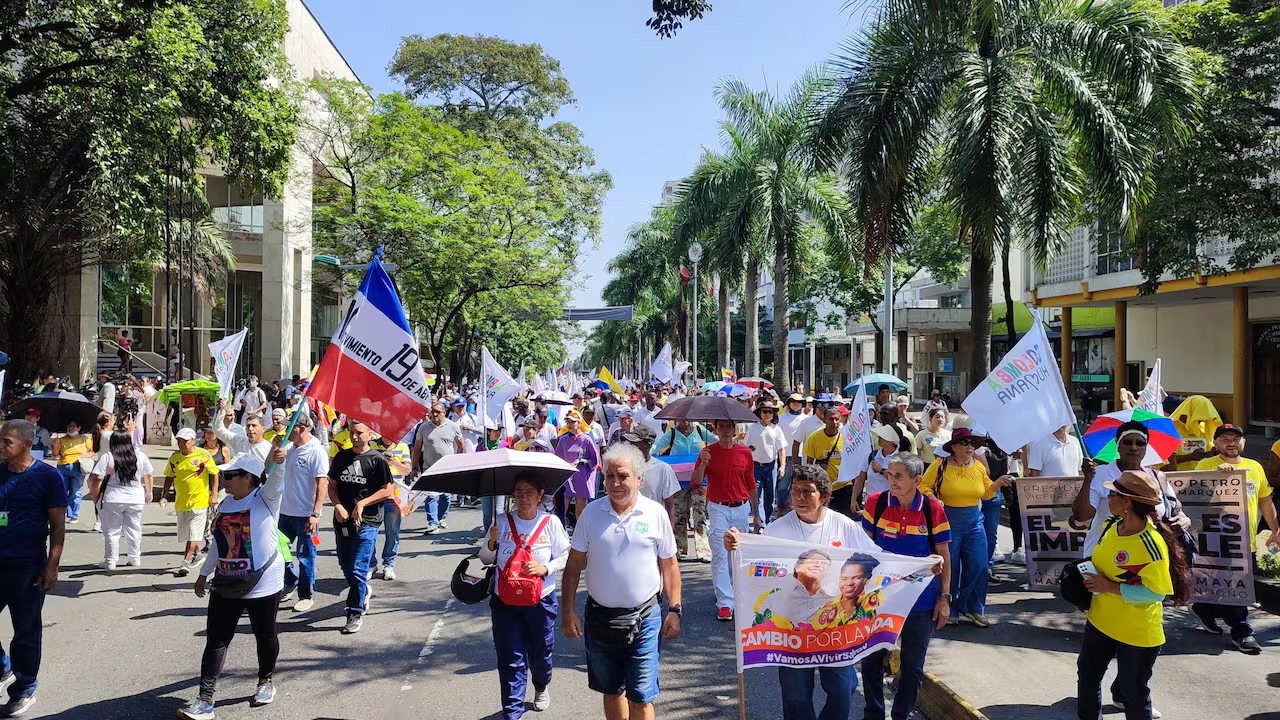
493 472
1162 437
707 408
59 408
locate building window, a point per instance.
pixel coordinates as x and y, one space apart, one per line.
1112 256
233 208
951 301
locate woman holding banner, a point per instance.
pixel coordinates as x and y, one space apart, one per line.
1136 564
962 483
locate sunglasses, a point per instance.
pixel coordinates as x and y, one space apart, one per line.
967 443
1134 442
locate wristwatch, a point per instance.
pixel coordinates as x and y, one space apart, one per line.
315 515
674 609
945 596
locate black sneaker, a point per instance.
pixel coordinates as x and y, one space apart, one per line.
1209 624
354 621
17 706
1248 646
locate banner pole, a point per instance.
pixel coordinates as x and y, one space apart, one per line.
742 698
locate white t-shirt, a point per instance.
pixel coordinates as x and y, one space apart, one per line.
107 396
302 466
622 552
470 426
660 481
832 529
788 422
806 427
876 481
1098 498
644 416
765 441
240 552
133 493
1055 459
550 549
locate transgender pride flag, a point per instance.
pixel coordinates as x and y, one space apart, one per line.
372 371
683 466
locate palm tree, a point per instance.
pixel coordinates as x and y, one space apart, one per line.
761 194
1033 109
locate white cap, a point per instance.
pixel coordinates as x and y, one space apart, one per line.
244 462
886 432
186 434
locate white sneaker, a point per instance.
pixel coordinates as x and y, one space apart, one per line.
304 605
133 562
998 556
97 526
389 573
1019 557
107 565
542 700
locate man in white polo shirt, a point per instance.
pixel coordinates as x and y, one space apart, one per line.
632 548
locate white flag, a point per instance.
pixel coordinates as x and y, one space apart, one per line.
1149 398
497 387
522 380
661 368
539 386
680 368
1023 399
226 353
855 452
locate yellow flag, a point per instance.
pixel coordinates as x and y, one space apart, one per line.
607 376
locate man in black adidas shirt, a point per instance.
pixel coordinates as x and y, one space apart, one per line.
359 480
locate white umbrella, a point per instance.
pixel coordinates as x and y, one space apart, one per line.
493 472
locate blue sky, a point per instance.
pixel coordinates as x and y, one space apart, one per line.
645 105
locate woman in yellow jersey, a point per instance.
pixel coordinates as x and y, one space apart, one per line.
962 483
1138 565
68 449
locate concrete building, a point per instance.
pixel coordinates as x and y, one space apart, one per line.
271 292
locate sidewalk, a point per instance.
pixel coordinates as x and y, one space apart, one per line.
1024 666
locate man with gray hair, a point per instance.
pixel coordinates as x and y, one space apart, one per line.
633 558
306 484
32 528
250 442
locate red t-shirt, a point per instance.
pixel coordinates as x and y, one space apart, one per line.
730 474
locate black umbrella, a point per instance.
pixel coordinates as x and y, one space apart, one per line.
493 472
59 408
707 408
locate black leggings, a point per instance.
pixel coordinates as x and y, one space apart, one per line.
224 615
1015 517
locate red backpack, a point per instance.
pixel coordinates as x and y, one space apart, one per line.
515 588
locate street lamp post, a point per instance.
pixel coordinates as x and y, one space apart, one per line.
695 254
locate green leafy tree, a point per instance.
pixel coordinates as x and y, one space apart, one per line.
97 99
1223 184
669 15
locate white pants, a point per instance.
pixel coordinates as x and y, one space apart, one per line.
723 517
120 519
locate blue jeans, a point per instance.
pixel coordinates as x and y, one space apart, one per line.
1133 675
797 692
437 507
356 548
487 505
72 480
783 493
765 475
295 529
1235 616
991 523
24 599
917 629
968 559
391 520
524 638
611 671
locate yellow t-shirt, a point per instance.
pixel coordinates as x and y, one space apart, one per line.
341 441
1255 479
826 450
191 475
71 448
1141 559
400 452
961 486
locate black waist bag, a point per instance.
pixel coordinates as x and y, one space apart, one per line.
1071 586
617 627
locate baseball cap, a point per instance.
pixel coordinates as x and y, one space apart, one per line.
459 400
640 433
904 400
886 432
186 434
33 411
1227 428
531 421
626 412
243 462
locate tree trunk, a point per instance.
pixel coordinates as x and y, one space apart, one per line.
722 323
980 274
880 354
1011 331
781 319
751 306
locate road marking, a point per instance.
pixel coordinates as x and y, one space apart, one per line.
436 631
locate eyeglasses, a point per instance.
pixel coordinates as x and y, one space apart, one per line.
525 493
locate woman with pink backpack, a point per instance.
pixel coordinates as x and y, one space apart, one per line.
530 546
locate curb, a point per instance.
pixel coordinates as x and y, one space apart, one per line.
939 702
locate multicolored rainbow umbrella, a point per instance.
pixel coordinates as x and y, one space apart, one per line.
1100 438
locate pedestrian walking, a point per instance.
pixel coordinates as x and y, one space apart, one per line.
529 546
825 448
359 480
660 482
1139 563
769 446
399 461
625 543
962 483
121 486
893 519
490 506
193 476
68 449
934 436
731 492
789 421
243 574
811 521
306 484
873 480
578 449
434 439
33 504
